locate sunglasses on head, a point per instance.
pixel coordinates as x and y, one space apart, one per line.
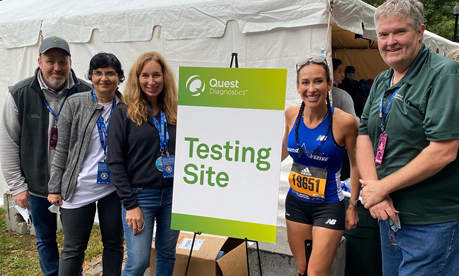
316 60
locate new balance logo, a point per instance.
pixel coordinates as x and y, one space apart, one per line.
331 221
320 138
305 171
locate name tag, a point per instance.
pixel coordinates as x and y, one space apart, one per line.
103 174
308 180
53 138
381 147
168 166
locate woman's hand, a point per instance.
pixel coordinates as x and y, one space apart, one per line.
351 217
55 199
134 219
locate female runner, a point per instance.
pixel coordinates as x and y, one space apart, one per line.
316 137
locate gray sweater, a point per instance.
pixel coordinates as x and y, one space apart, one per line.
342 100
78 119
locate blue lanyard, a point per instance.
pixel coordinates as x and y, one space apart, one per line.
103 136
51 110
382 115
162 131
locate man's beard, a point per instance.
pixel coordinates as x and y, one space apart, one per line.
55 82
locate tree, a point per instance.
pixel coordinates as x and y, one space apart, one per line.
438 15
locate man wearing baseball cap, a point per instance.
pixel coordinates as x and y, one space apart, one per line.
28 137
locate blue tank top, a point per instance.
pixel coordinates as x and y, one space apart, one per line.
329 155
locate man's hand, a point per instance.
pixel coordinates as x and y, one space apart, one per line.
372 192
384 210
22 199
55 199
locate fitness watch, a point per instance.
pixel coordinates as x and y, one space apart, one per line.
356 203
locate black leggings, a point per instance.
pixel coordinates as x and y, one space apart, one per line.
77 224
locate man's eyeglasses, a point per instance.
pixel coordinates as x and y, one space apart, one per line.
393 228
317 60
109 74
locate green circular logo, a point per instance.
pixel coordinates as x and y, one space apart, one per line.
195 85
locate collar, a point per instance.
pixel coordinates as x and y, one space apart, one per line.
38 82
67 85
98 105
415 68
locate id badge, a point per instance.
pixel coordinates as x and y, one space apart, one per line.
381 147
103 173
308 180
159 164
53 138
168 166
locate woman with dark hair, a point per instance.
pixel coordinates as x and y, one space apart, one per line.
316 136
338 71
79 175
340 98
142 144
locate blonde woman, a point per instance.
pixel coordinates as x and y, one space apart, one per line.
140 157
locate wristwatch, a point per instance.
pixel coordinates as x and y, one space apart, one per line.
356 203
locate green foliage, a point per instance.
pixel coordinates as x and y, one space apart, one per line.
18 253
439 18
374 3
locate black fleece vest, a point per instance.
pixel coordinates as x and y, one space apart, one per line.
33 119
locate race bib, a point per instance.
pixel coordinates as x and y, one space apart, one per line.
308 180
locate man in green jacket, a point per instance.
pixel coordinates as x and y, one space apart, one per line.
407 148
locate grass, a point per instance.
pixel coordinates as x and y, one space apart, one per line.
18 253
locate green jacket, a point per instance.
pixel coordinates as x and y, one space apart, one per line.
425 108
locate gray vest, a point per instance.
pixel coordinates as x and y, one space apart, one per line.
33 118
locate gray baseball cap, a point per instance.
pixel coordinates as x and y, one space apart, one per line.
54 42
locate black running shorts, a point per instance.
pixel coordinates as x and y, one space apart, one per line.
327 215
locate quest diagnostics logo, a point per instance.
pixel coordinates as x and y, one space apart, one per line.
195 85
219 87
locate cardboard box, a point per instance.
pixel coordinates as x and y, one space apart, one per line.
205 251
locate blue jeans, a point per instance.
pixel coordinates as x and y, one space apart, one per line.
45 224
431 249
77 224
156 204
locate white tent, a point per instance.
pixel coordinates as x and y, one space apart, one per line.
264 33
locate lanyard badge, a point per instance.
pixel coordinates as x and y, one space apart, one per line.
383 137
53 138
102 128
164 163
103 173
53 134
